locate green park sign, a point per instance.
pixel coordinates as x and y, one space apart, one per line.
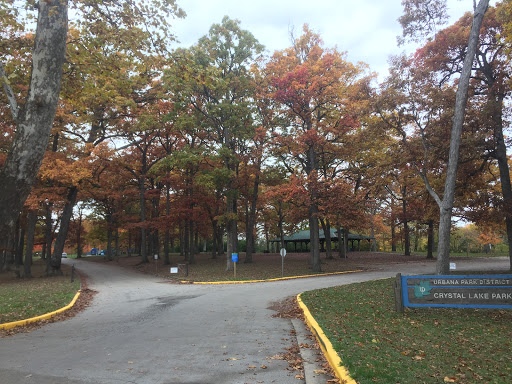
480 291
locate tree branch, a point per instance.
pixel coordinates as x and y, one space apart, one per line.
9 93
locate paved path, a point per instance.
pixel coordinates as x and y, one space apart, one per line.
141 330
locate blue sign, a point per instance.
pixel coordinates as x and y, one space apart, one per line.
457 291
234 257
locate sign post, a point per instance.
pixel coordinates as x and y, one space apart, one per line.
234 259
156 263
283 254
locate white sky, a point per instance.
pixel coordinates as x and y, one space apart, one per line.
365 29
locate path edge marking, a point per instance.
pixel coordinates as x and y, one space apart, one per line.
330 354
41 317
268 280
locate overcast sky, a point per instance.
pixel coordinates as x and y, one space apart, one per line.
365 29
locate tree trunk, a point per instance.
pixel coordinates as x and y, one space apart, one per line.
314 239
232 226
34 120
79 235
407 235
501 156
446 204
48 235
373 240
214 240
430 241
342 251
20 244
142 199
167 259
110 225
326 227
63 231
192 253
116 243
393 234
31 230
251 222
346 232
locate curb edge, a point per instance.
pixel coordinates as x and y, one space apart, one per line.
41 317
330 354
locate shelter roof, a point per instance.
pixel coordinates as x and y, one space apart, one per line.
304 236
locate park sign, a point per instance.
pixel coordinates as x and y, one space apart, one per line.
453 291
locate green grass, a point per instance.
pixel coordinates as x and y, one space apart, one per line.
430 345
25 298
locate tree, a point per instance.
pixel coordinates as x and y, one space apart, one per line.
34 118
214 78
446 202
315 88
489 87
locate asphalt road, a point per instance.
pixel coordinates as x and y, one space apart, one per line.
141 329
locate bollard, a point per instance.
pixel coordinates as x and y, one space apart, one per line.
73 273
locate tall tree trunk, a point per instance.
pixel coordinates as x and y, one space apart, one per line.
393 235
220 240
110 225
192 253
430 241
372 228
79 235
116 243
167 259
502 158
20 243
251 222
232 227
405 221
31 230
48 235
342 251
60 240
215 240
446 204
326 227
34 120
346 232
142 200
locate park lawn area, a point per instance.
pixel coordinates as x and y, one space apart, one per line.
264 266
25 298
427 345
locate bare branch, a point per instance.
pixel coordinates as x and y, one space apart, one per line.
9 93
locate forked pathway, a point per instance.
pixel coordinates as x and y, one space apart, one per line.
141 329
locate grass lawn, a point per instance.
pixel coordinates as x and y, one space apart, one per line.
264 265
25 298
378 345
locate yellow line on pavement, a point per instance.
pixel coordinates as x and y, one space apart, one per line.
265 280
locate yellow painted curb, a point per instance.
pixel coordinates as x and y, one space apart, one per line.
330 354
263 281
42 317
